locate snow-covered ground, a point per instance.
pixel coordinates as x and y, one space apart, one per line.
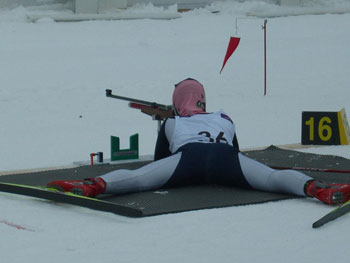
53 111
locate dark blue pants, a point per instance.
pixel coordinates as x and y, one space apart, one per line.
208 163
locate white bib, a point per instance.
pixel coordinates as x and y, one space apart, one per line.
203 128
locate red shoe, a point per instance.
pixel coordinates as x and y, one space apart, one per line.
331 194
89 187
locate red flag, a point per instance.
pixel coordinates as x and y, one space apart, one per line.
232 45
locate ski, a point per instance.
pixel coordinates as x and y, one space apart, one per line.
311 169
334 214
69 198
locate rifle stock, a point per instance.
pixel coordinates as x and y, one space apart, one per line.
157 114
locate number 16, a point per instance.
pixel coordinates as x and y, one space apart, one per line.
322 128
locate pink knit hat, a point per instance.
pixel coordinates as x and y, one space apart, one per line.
189 98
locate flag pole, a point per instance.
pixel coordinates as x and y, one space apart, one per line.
264 28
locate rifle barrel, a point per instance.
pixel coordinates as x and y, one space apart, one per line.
147 103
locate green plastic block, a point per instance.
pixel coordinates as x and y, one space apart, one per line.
125 154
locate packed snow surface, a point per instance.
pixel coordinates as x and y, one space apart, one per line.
53 111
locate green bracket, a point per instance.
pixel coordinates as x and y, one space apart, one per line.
125 154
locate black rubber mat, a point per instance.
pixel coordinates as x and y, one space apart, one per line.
189 198
193 198
274 156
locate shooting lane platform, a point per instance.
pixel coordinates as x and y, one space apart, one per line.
191 198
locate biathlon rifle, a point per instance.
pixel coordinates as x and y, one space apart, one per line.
158 111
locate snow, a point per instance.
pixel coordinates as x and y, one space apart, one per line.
53 111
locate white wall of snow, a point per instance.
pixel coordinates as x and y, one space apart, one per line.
182 4
15 3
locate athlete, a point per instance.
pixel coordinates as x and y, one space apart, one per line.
196 147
